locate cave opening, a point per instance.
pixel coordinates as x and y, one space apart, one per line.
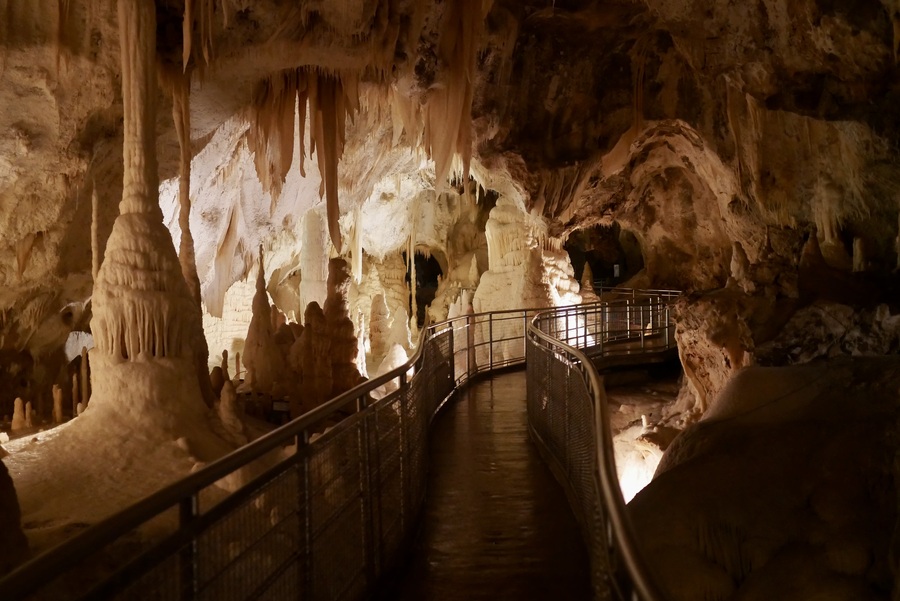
612 252
428 272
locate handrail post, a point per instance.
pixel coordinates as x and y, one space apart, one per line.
667 326
188 511
525 332
641 325
490 341
470 347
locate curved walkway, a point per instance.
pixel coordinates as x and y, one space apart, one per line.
496 524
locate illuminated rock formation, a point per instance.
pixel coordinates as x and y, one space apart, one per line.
18 418
262 357
144 323
343 350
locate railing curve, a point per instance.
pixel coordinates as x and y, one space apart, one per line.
565 391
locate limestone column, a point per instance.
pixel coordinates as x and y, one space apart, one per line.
144 320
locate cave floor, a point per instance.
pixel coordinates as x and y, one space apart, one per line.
496 524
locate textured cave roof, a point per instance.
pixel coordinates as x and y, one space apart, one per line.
557 85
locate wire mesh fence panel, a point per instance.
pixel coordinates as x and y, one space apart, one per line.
386 457
167 581
337 514
439 370
235 556
507 333
569 421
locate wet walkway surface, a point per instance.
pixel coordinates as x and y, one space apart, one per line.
496 524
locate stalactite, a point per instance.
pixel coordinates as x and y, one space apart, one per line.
411 251
327 120
356 266
181 114
85 378
201 18
641 47
95 235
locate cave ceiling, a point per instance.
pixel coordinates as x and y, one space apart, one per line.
694 124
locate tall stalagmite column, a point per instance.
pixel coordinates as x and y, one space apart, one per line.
144 321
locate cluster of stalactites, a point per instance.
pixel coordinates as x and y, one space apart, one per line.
331 98
197 31
448 108
441 124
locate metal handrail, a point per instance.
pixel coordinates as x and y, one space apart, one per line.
606 479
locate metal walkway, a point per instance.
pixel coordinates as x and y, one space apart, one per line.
332 518
496 524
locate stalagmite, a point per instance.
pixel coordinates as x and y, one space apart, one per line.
237 366
400 333
588 295
340 328
264 363
18 419
217 379
229 414
311 356
379 329
57 404
180 86
411 254
29 415
225 365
